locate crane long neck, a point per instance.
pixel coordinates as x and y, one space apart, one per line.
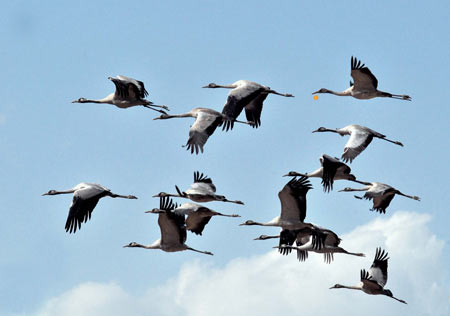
264 237
61 192
360 182
360 189
315 174
330 130
155 245
299 174
350 287
87 101
188 114
339 93
253 223
226 86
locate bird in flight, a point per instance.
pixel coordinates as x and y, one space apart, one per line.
129 92
364 86
85 198
374 280
332 169
245 94
360 138
206 122
381 194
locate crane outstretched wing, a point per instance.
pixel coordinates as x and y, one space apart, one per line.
171 224
203 127
382 195
197 220
357 142
202 185
287 237
254 108
83 203
368 282
129 88
378 270
362 76
237 99
293 199
330 166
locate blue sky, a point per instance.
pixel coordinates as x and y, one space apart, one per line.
55 52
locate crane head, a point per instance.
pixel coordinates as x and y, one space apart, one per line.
322 90
80 100
291 174
155 211
336 286
249 222
211 85
347 189
131 244
162 117
320 129
51 192
262 237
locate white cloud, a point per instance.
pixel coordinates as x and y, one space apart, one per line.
272 284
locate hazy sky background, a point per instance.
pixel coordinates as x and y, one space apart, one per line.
54 52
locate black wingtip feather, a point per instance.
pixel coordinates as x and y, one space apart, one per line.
200 177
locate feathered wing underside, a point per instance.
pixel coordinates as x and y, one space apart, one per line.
380 203
357 142
362 76
187 208
293 199
237 99
83 203
196 222
203 127
201 189
330 166
171 224
302 255
368 282
171 232
331 238
202 185
382 195
378 270
287 237
254 108
129 88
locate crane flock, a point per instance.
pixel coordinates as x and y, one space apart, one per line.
174 221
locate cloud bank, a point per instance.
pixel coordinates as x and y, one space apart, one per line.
271 284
